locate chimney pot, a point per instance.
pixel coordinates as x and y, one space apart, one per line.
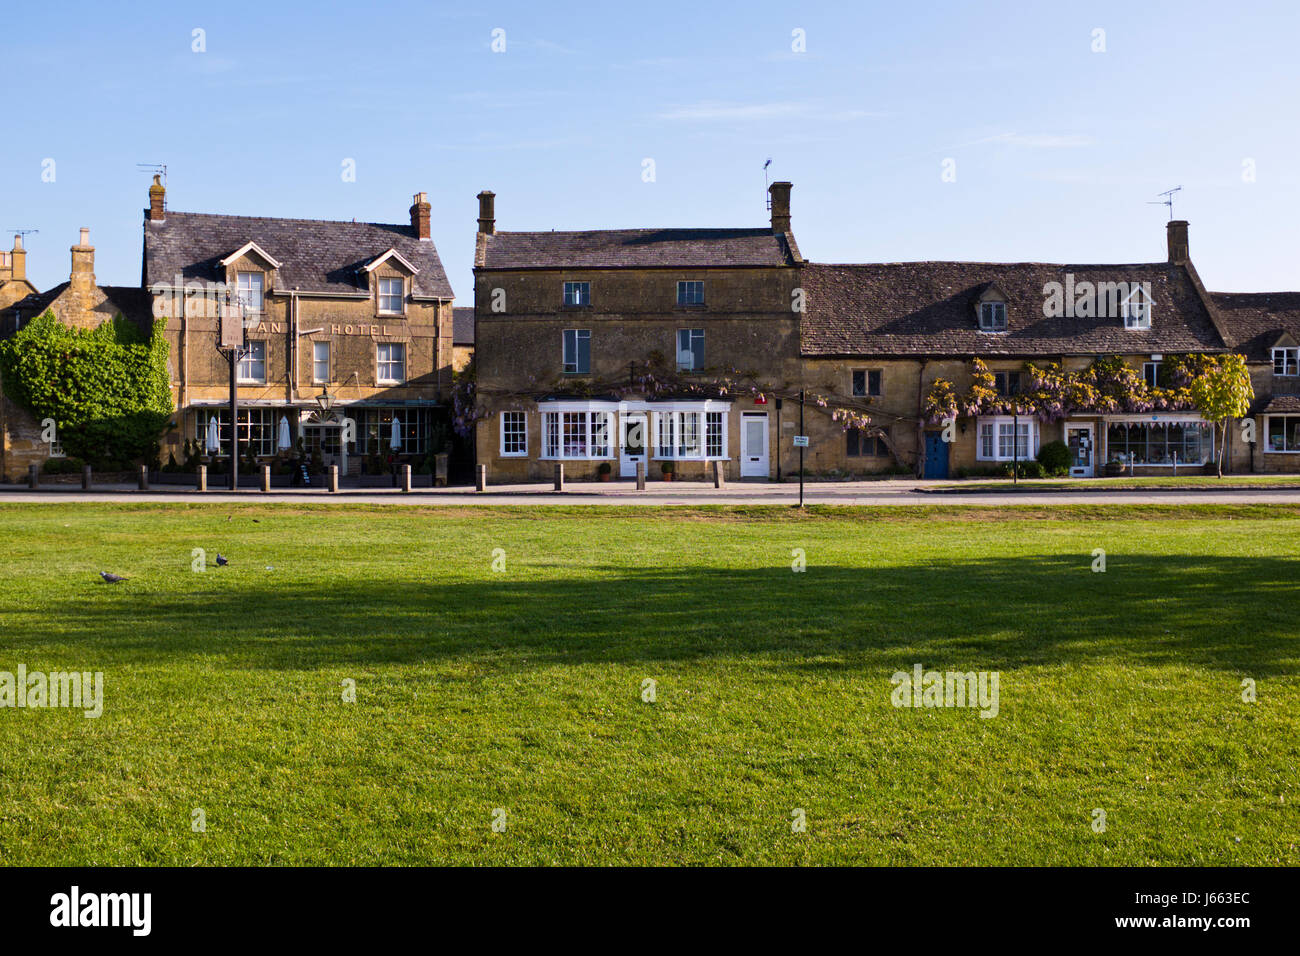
85 236
1177 235
420 210
157 197
487 215
780 193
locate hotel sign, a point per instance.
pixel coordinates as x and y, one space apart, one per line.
276 328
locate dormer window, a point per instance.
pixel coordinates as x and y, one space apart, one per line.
392 296
993 316
250 286
1137 310
1286 361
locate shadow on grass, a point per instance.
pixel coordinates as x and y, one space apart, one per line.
1239 614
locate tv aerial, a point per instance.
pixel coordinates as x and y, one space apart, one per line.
1168 200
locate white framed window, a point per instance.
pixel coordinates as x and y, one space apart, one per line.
392 296
252 364
690 292
1151 373
690 350
690 435
993 316
514 434
1286 361
249 288
577 434
577 294
1006 439
1283 433
320 362
1136 310
577 351
390 363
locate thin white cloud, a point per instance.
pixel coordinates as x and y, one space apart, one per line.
713 111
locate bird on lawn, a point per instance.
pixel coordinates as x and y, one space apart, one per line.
111 578
222 561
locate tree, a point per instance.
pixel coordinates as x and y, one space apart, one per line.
1222 392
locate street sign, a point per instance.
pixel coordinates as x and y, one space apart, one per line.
800 441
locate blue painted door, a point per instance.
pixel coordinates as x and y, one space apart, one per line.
936 455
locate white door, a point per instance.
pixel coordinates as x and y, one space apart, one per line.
631 447
753 445
1079 439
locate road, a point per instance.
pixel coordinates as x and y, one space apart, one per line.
894 492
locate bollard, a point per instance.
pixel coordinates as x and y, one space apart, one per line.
144 477
334 479
440 470
266 478
406 478
640 476
719 478
559 476
203 477
85 478
480 480
33 476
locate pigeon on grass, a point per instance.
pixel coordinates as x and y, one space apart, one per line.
222 561
111 578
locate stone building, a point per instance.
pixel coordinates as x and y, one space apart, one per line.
344 321
81 303
616 346
13 275
462 337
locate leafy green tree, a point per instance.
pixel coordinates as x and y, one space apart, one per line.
1222 392
107 388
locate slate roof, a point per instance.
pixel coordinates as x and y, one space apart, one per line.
1256 320
462 325
636 248
928 308
1277 404
316 255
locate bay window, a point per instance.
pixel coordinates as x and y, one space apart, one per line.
1160 442
1283 433
576 434
690 435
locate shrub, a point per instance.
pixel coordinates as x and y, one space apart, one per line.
1055 458
667 467
604 468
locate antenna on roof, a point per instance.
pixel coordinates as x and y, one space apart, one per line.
24 232
1168 200
159 169
766 194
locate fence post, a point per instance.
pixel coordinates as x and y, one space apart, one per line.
640 476
406 478
719 476
203 477
334 479
480 480
33 476
144 477
559 476
266 478
440 470
85 478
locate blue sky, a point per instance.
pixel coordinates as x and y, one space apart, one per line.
1057 149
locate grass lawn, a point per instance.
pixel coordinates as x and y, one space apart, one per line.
521 689
1147 483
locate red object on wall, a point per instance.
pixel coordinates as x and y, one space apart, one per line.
761 400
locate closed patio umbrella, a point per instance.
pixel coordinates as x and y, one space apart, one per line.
396 440
213 440
284 441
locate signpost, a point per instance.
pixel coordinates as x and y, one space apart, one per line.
801 447
230 340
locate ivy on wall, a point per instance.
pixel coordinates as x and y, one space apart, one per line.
107 389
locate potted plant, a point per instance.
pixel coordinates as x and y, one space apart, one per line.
667 468
604 471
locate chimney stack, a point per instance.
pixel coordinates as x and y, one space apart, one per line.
18 260
487 212
780 193
420 210
82 278
1177 231
157 193
6 272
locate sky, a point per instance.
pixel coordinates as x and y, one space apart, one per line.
938 130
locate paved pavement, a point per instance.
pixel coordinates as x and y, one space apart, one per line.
895 492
